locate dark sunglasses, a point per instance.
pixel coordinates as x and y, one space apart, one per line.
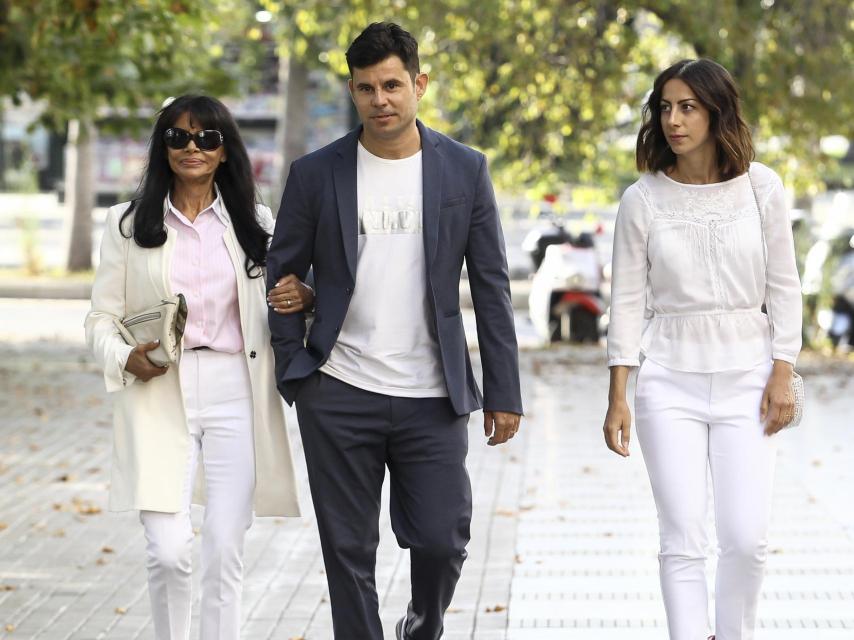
206 140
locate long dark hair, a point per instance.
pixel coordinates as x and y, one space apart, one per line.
716 90
233 177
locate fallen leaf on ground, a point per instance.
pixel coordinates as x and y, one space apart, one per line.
107 550
85 507
505 512
121 611
10 628
7 587
496 609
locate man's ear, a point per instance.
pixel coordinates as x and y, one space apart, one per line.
421 85
350 89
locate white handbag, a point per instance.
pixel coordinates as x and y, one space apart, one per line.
164 321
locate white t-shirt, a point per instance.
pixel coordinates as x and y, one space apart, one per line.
387 344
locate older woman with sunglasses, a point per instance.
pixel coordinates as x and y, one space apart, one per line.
215 416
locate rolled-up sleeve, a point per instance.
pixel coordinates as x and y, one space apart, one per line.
629 269
783 287
108 305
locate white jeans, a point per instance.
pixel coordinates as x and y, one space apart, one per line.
218 402
686 423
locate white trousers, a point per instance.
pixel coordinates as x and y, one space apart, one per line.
688 423
218 402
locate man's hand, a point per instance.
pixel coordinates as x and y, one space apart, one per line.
139 365
290 295
500 426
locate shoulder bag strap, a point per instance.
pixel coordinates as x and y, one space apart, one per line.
764 252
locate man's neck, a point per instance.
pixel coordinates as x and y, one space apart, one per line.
405 145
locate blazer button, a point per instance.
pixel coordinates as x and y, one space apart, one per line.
348 291
252 354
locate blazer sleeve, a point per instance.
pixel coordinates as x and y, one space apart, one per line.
291 251
486 263
783 286
108 305
629 269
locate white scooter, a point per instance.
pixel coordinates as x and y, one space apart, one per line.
565 302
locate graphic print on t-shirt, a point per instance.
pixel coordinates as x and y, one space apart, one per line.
390 216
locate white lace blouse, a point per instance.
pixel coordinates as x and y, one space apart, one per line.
688 259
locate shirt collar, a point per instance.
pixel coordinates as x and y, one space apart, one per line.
217 206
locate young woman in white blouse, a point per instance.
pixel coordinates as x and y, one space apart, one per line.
690 278
215 415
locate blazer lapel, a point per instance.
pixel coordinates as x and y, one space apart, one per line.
431 169
235 252
160 262
344 176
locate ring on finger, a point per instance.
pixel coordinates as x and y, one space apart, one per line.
288 302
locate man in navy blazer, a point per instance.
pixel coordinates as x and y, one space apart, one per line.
385 217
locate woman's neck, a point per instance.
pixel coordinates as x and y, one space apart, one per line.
696 169
192 198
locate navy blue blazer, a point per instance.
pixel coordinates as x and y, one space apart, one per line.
317 228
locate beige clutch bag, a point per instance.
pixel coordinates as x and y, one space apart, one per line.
164 321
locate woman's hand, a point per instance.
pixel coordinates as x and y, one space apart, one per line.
618 420
139 365
778 404
618 427
290 295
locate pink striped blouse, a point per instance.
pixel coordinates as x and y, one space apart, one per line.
202 270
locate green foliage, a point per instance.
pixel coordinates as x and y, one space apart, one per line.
552 89
792 61
110 57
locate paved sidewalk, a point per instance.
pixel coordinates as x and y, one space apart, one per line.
564 533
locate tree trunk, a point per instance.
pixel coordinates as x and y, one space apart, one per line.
80 192
2 151
291 135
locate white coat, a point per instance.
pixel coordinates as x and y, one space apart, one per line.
151 439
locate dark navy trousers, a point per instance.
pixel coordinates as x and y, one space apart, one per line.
350 436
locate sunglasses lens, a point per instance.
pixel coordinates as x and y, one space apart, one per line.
176 138
208 140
